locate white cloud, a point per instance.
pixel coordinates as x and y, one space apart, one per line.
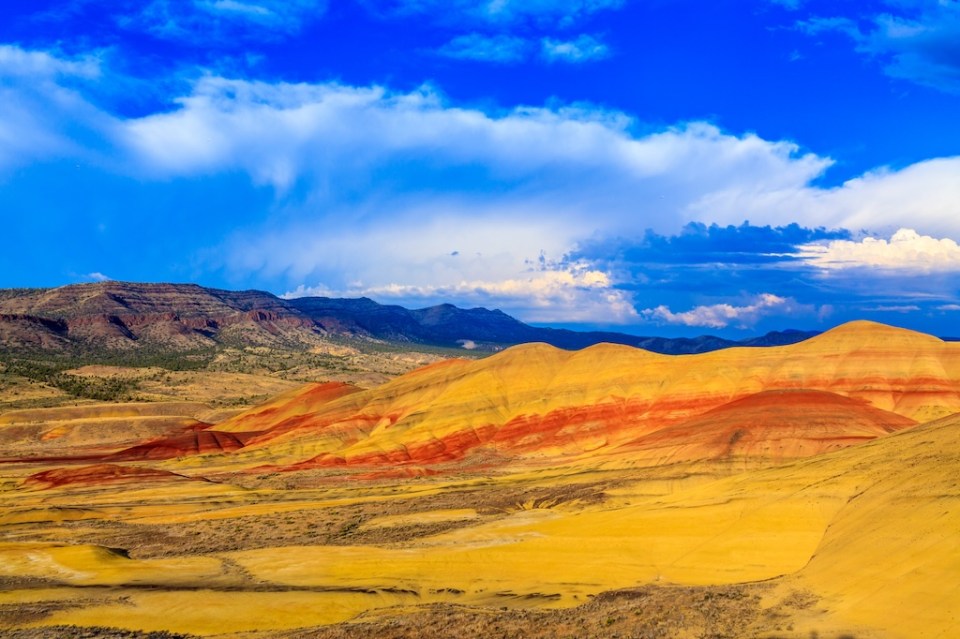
925 194
398 182
723 315
949 307
213 21
914 41
583 49
40 115
15 61
243 8
498 48
905 251
576 164
337 134
382 187
574 294
543 13
97 276
893 308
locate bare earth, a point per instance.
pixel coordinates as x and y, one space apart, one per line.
805 492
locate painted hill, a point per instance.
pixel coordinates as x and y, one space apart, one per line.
536 404
118 316
794 491
868 532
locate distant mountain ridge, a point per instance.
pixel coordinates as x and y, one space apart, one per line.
448 325
179 317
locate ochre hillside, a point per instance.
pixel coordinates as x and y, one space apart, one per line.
793 492
539 404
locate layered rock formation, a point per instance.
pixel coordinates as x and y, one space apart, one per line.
540 405
117 315
795 486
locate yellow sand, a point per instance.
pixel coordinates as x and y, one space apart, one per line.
86 565
871 529
213 613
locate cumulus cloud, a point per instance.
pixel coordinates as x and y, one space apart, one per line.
699 243
282 132
370 164
723 315
583 49
497 48
926 193
905 251
575 294
97 276
410 260
409 189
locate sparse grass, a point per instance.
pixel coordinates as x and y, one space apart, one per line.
110 389
90 632
232 374
651 612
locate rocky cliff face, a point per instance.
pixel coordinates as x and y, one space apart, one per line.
117 315
120 316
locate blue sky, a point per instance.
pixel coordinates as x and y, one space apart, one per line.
659 167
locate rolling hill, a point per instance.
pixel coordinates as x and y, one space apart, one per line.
791 491
536 404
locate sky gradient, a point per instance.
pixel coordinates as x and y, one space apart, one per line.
658 167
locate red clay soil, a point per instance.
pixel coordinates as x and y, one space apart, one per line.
311 399
774 425
96 475
575 430
198 442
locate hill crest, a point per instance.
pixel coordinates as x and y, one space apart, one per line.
535 403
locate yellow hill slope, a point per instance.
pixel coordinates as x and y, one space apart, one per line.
872 530
890 558
534 401
868 532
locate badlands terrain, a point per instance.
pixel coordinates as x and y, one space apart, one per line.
799 491
120 341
